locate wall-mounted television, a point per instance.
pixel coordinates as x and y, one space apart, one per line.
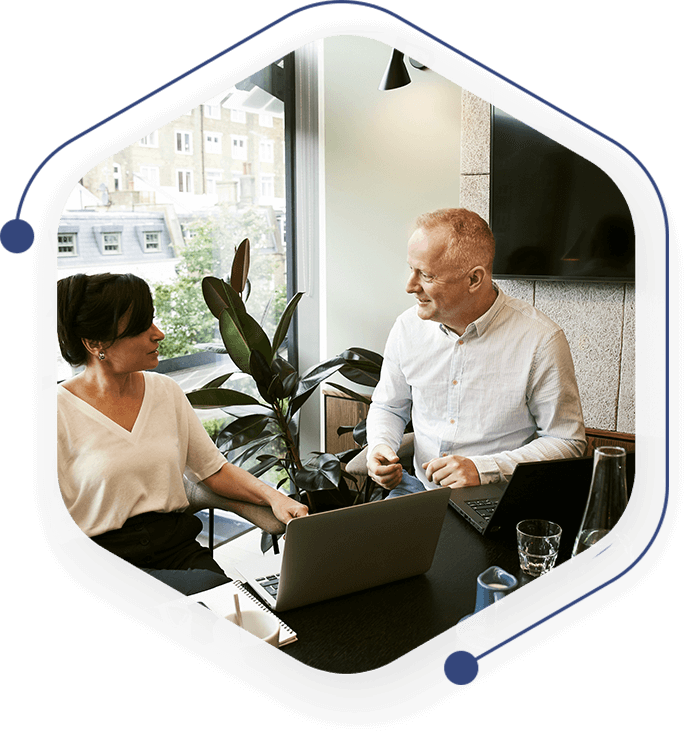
555 215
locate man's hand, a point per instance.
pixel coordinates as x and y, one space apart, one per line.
384 467
452 471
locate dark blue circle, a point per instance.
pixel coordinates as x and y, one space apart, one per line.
17 236
461 668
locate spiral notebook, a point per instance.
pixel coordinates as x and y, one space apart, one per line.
220 601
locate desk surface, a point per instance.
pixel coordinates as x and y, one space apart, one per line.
354 633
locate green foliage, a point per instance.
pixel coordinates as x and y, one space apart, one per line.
264 432
213 426
180 307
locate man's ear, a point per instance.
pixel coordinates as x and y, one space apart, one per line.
476 277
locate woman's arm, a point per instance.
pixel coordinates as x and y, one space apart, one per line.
238 484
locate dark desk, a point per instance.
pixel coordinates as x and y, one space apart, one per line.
354 633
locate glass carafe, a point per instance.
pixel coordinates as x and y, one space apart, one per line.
607 499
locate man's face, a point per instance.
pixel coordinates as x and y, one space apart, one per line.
439 287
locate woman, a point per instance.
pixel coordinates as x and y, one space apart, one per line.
126 436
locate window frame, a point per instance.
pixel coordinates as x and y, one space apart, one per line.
119 243
154 143
64 254
190 177
184 136
214 147
234 148
145 240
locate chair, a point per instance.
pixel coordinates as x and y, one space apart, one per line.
201 497
358 465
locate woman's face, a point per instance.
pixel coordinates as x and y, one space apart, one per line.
133 353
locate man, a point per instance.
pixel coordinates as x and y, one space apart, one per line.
487 380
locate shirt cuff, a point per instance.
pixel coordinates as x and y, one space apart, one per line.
488 470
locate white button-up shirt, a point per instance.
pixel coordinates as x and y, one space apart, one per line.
504 392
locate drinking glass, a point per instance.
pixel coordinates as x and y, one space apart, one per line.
537 544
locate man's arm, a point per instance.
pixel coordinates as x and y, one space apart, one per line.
387 418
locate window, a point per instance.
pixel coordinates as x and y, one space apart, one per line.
151 140
267 186
239 148
237 115
217 203
212 142
267 151
110 242
267 120
148 178
184 142
67 245
212 176
116 177
185 180
152 241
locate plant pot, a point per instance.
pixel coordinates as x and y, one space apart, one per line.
330 499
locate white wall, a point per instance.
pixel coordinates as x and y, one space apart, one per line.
388 156
384 158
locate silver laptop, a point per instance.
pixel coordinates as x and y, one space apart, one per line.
351 549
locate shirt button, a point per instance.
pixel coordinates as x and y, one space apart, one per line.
460 341
452 420
454 382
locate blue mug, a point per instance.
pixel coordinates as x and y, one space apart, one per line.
492 585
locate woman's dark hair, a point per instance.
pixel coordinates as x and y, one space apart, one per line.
91 306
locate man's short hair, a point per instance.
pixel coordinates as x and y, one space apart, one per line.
471 241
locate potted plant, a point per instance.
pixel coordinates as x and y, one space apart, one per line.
267 430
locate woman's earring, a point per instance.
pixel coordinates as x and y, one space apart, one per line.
102 356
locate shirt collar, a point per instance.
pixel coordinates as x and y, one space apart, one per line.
484 321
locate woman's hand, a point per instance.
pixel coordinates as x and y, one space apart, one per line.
285 508
238 484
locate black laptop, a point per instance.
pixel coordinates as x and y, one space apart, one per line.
556 490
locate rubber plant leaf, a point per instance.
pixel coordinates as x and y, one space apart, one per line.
350 393
363 366
284 322
265 379
218 398
221 298
240 267
251 330
241 335
241 431
218 381
242 454
312 378
217 294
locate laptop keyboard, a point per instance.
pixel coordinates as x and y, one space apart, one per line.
270 583
484 507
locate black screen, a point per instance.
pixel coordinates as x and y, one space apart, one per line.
554 214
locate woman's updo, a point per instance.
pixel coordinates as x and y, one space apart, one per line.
90 307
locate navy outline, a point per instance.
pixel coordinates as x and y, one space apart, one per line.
541 100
